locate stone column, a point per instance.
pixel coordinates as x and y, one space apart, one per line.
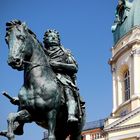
136 73
114 89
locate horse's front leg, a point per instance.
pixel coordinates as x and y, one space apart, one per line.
15 124
51 124
9 133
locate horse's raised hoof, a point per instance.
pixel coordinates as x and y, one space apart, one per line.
3 133
11 136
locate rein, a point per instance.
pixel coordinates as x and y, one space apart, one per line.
35 64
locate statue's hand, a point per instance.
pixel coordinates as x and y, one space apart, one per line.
15 101
54 64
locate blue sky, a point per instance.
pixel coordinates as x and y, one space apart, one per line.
84 27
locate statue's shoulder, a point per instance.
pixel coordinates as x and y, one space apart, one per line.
63 49
70 57
66 51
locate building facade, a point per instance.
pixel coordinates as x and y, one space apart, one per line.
124 123
93 130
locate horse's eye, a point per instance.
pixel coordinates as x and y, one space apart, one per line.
21 37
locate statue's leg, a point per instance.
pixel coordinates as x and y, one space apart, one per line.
23 117
3 133
71 104
61 135
9 133
15 121
76 129
76 135
51 124
11 126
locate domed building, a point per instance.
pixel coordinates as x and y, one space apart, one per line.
124 123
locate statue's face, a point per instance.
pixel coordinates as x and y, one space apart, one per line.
52 39
120 2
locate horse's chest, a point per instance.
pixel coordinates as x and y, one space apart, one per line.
30 99
26 98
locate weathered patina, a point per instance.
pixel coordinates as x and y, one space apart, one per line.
126 17
40 97
65 67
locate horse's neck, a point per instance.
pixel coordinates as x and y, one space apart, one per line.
39 65
39 56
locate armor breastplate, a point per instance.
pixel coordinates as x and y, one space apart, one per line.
57 54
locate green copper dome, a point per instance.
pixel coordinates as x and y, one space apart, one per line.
127 16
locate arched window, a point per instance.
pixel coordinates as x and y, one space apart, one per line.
126 86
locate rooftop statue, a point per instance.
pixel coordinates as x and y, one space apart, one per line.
127 16
49 95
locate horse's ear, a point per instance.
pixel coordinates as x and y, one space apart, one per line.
24 25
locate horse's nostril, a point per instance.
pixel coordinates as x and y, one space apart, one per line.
17 60
13 61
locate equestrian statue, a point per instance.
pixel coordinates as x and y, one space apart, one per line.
49 95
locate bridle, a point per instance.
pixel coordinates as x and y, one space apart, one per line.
34 65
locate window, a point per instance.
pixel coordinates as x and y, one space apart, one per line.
83 137
124 113
126 86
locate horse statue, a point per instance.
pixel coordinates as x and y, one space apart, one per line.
40 97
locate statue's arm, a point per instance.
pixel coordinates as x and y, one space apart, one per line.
64 66
70 65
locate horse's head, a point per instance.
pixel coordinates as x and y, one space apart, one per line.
18 39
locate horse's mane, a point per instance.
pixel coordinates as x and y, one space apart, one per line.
13 23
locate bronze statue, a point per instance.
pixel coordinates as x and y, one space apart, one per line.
65 67
43 96
121 13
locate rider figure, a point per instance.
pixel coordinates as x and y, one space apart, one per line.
121 13
120 10
65 67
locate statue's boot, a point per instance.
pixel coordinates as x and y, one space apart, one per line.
71 111
3 133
